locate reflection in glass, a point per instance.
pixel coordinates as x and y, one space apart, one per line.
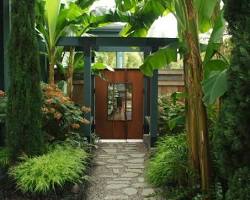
120 101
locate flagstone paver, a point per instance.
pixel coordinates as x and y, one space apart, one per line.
118 173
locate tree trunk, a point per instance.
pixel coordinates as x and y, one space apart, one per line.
24 135
52 62
70 72
196 111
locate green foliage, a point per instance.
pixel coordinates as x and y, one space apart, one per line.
215 86
169 164
239 185
232 135
108 58
159 59
132 59
216 37
141 11
205 10
61 116
24 133
171 115
4 157
63 164
3 107
97 68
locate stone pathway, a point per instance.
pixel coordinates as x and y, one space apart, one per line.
117 173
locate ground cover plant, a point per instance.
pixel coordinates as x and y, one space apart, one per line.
169 164
42 174
168 168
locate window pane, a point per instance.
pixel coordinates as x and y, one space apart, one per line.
119 101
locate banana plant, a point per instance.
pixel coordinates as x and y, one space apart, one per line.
52 24
193 17
57 19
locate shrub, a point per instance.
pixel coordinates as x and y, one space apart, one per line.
60 115
239 185
169 164
4 157
63 164
171 114
232 135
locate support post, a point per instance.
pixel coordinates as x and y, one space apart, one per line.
93 102
146 110
87 90
154 108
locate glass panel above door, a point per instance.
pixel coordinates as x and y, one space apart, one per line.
120 101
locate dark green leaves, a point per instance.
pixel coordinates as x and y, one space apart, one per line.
214 66
143 16
125 5
205 11
216 37
215 86
159 59
215 71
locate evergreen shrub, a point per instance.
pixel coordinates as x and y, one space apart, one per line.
239 185
24 134
231 138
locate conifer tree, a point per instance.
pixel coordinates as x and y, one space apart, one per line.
232 137
24 133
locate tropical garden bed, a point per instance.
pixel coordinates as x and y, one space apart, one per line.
61 171
204 150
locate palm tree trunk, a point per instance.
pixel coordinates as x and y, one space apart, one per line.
70 72
52 62
196 111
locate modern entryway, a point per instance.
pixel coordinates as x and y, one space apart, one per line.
119 104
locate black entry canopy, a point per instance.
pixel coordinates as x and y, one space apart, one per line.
115 43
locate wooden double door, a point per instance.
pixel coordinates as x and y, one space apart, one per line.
119 104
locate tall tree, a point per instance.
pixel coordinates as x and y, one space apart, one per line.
193 16
24 133
232 136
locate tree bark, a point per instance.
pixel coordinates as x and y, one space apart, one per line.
52 62
70 73
196 112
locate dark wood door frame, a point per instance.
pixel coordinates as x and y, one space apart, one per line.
130 128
